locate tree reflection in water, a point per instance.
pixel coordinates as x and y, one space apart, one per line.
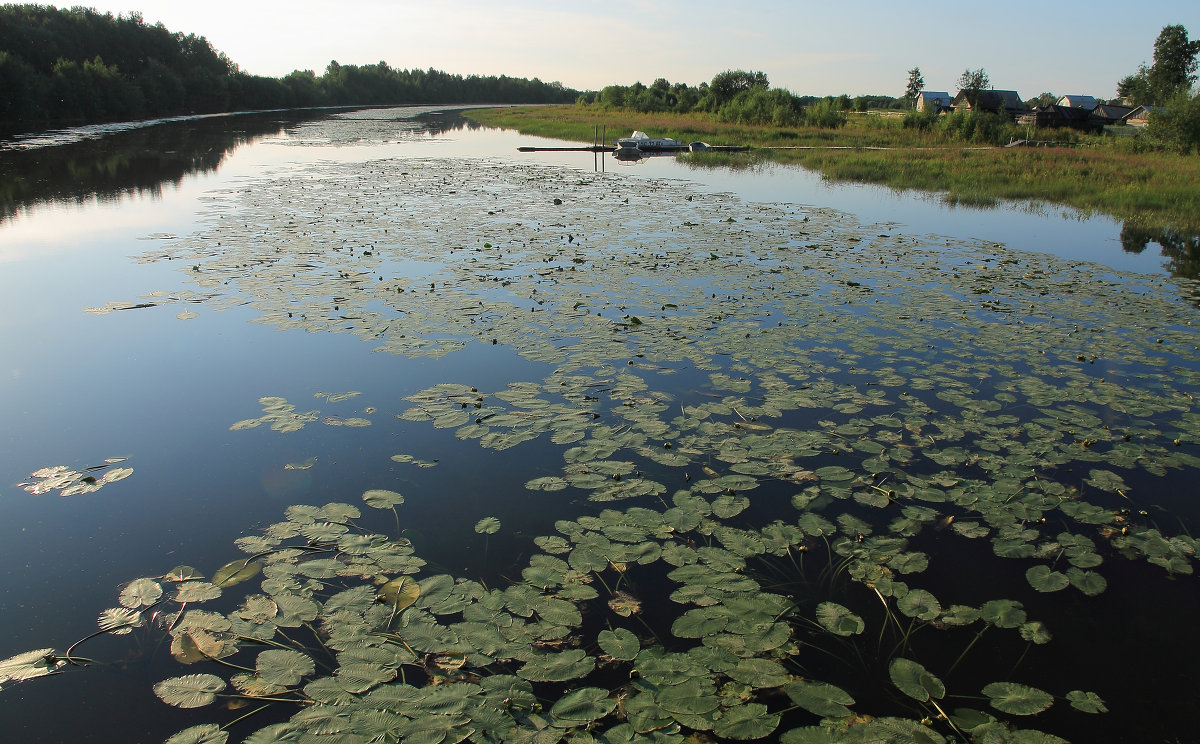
1180 248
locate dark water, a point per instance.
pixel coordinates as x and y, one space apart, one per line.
142 384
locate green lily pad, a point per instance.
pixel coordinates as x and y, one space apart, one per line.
189 691
1088 702
487 526
283 666
401 592
235 572
820 698
619 643
746 722
1019 700
914 681
839 620
205 733
1043 579
379 498
583 706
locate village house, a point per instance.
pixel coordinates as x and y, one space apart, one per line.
1082 102
935 101
1140 116
1056 115
1107 114
996 101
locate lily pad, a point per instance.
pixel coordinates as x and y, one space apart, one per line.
487 526
914 681
1019 700
839 620
382 499
619 643
189 691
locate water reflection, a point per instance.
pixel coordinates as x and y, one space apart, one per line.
1181 249
141 161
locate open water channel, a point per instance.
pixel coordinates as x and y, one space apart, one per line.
370 427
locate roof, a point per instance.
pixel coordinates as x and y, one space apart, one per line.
934 98
1111 111
994 100
1142 112
1077 101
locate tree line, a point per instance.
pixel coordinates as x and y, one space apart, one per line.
79 65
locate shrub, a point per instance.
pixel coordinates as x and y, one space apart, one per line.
825 113
1179 124
920 120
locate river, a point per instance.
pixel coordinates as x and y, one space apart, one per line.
956 443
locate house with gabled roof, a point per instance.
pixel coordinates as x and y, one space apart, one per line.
1140 116
995 101
935 101
1110 113
1055 115
1074 101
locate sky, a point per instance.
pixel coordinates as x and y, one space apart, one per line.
858 47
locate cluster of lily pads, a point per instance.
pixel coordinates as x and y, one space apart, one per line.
69 482
348 627
786 404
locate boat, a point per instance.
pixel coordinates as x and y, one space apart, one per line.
639 144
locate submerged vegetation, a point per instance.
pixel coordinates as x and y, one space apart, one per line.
781 431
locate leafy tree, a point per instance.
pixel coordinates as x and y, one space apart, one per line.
726 85
1135 88
973 82
1179 122
916 83
1044 99
1174 67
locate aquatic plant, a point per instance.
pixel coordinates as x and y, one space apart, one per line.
804 418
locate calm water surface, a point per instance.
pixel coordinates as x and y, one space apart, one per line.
143 384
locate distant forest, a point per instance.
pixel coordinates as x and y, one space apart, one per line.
82 66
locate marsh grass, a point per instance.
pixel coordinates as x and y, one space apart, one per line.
1099 175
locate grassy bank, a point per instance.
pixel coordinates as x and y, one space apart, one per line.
1100 176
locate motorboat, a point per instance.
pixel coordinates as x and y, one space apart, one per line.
639 143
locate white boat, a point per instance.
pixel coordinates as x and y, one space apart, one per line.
640 143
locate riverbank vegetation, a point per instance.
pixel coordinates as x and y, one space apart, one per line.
1137 179
81 66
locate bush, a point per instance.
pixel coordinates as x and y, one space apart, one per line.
1179 124
981 127
825 113
922 121
761 106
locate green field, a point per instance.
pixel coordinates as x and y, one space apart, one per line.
1094 175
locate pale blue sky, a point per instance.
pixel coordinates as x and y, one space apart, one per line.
818 48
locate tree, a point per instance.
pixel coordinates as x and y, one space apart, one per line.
1174 67
916 83
1179 122
1043 100
1135 88
1173 71
726 85
972 82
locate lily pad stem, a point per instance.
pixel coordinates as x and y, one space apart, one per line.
241 718
67 657
945 717
968 648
